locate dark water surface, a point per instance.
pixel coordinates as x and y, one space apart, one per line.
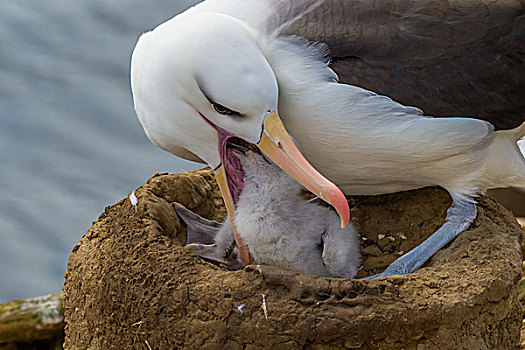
70 142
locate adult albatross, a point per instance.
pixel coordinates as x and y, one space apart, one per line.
225 70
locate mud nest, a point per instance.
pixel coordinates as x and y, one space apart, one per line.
130 284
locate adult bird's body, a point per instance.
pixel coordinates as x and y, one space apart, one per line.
363 142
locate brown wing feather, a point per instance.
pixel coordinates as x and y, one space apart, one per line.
449 58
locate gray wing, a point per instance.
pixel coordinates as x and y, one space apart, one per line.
199 229
209 239
449 58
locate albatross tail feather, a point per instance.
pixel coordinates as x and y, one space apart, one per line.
506 159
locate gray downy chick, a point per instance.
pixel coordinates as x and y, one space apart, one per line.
279 226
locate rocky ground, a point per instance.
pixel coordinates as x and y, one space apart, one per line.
32 324
130 283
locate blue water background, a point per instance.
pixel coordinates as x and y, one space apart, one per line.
70 143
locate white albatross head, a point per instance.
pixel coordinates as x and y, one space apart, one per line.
202 86
205 64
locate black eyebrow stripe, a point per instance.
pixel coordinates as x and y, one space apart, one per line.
212 101
203 90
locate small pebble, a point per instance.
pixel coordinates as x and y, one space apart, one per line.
383 242
372 250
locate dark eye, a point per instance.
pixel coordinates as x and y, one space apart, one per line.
224 110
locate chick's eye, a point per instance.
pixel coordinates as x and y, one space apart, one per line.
224 110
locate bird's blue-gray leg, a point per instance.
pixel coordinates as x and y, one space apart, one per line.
460 215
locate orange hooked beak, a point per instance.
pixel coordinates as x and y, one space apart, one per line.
278 145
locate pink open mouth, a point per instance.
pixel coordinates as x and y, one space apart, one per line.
228 145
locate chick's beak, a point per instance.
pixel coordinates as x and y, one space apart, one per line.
278 145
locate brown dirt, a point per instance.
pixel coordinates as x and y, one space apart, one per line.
510 198
131 285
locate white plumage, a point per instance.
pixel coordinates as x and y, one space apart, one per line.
367 144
